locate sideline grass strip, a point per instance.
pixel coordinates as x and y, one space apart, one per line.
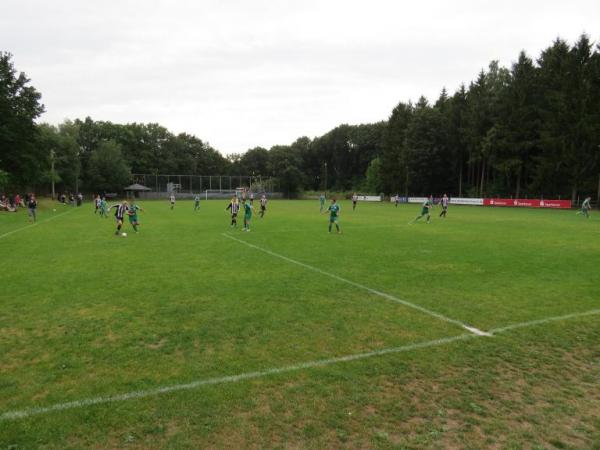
34 224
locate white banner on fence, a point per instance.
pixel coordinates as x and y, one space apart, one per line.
416 199
369 198
466 201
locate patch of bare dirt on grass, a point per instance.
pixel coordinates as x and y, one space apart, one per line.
156 345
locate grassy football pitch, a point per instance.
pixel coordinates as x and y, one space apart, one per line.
480 330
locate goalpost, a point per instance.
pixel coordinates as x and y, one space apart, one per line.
225 193
205 185
219 193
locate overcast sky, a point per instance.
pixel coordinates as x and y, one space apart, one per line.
241 74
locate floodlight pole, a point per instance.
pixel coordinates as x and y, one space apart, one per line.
598 198
52 155
78 169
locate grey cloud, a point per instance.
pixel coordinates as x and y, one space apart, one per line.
271 70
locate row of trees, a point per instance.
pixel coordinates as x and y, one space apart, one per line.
531 129
98 156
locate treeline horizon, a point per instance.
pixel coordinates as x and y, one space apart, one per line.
529 130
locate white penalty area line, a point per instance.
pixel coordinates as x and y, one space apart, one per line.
34 224
363 287
25 413
29 412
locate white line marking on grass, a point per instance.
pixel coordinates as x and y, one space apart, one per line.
347 225
477 331
24 413
366 288
34 224
543 321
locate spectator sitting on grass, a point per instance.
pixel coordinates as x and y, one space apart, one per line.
5 205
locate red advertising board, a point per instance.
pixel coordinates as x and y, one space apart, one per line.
560 204
527 203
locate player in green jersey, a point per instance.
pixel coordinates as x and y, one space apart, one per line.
247 214
322 202
103 208
334 215
132 216
585 207
427 205
196 202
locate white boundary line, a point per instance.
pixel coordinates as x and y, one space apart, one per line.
34 224
25 413
366 288
515 326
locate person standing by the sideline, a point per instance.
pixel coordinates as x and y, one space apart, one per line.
32 207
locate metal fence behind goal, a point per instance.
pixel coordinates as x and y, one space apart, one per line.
208 186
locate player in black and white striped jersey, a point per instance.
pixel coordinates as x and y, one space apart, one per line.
444 202
121 210
234 206
263 205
